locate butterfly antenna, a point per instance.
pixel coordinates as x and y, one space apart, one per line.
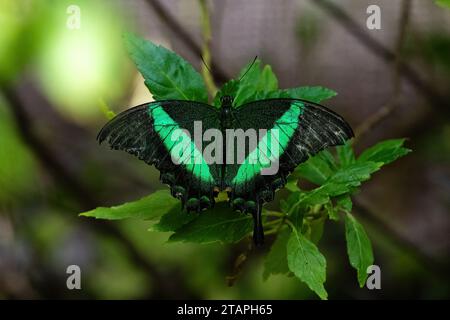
248 69
204 63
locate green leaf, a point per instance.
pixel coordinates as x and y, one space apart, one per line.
313 94
174 219
167 75
149 207
332 211
359 248
276 260
318 196
257 84
217 224
316 227
228 89
317 169
307 263
268 80
296 215
443 3
342 182
289 202
350 176
292 184
345 154
345 203
385 151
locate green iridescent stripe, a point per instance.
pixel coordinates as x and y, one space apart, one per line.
286 126
165 126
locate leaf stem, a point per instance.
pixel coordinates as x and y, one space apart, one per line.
273 214
273 222
290 224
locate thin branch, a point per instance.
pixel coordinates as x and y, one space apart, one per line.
206 51
218 74
354 28
164 286
393 102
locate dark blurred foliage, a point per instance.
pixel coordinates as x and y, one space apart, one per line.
53 82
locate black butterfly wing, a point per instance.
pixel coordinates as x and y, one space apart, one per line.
304 129
151 132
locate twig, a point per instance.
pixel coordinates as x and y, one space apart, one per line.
206 51
163 287
393 102
354 28
218 74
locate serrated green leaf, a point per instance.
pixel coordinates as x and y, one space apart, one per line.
316 227
318 196
332 211
351 176
228 89
313 94
385 151
344 203
345 154
342 182
307 263
296 216
292 184
317 169
257 84
276 260
174 219
359 248
217 224
289 202
167 75
149 207
268 81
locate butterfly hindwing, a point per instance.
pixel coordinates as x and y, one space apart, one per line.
154 130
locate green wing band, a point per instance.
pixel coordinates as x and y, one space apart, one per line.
188 156
285 126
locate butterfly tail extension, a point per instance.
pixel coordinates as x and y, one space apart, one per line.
258 230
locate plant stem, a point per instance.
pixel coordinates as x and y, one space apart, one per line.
272 222
290 224
206 51
273 214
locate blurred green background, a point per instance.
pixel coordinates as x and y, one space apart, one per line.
63 62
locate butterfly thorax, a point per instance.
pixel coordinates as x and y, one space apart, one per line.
226 116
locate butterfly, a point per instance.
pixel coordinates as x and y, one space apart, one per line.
152 132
